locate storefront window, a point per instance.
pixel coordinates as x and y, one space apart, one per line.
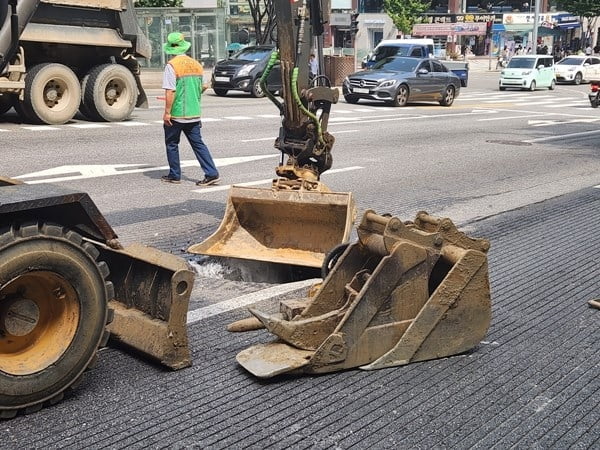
205 29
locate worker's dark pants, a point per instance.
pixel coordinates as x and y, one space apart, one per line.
192 133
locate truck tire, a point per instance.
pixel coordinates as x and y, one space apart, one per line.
6 102
110 93
52 94
53 313
84 110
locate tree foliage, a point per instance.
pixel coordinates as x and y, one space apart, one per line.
405 13
589 9
158 3
263 17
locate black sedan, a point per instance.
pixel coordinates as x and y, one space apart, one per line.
399 80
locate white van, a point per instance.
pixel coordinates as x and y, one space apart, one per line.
528 72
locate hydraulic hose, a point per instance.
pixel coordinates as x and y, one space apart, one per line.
263 80
303 108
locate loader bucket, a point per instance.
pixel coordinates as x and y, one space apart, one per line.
152 292
296 227
404 292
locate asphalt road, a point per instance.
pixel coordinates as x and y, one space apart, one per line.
491 162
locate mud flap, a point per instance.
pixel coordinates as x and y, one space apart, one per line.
404 292
152 292
297 227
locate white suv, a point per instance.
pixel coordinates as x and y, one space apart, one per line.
575 69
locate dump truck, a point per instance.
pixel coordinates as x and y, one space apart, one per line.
67 285
58 57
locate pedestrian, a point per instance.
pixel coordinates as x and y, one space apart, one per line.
588 50
313 66
183 85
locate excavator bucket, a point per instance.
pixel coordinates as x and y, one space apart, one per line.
287 226
152 292
404 292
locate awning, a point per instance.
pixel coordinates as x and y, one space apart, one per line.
519 29
498 27
568 25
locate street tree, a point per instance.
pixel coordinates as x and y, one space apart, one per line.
263 18
584 9
405 13
158 3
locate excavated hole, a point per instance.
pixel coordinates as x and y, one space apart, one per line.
235 269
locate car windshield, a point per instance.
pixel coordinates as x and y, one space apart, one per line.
397 64
521 63
571 62
252 54
391 50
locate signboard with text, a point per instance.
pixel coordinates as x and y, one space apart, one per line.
450 29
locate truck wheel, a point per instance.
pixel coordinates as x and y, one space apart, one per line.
110 93
6 102
220 92
82 108
401 98
53 313
52 94
256 90
448 97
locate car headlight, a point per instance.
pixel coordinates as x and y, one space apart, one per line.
245 70
387 83
502 73
572 69
527 72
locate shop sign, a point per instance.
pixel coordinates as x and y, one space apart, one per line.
450 29
461 18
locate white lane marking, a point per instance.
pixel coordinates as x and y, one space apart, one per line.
95 171
41 128
225 187
511 117
211 119
562 136
269 116
542 123
344 131
237 118
259 139
564 105
89 125
247 299
131 124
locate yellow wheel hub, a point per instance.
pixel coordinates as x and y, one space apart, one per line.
39 315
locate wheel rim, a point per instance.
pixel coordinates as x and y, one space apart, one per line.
39 316
115 88
402 96
56 93
257 88
449 95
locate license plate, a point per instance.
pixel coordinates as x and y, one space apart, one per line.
222 79
360 90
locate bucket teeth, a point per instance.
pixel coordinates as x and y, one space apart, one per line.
305 334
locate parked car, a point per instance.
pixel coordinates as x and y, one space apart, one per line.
242 72
398 80
528 72
575 69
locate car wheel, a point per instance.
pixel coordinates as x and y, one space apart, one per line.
257 90
220 92
351 98
532 86
448 97
578 78
552 85
401 98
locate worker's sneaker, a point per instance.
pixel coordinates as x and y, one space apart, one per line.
208 181
168 179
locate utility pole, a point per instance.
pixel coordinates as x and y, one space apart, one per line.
536 19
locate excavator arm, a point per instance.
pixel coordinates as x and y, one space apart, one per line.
303 136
